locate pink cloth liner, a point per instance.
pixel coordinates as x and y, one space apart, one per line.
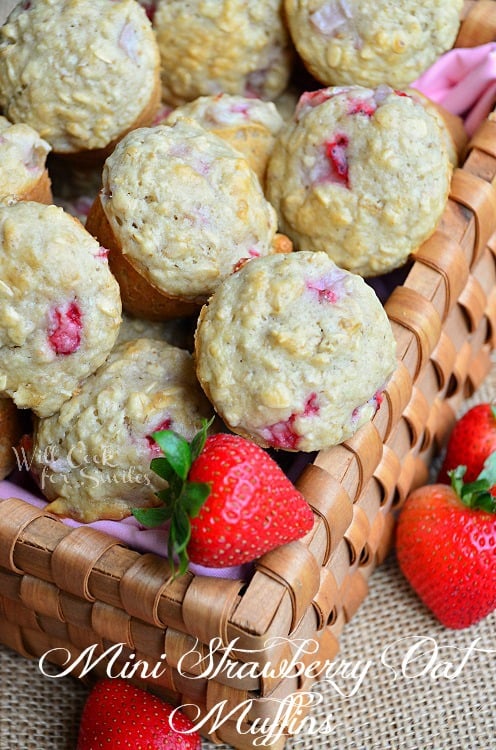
128 531
463 81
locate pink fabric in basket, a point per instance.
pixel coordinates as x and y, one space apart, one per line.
463 81
127 531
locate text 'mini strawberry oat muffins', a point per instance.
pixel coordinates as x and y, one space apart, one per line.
179 210
362 174
92 459
294 352
229 46
360 42
80 72
60 307
249 125
23 171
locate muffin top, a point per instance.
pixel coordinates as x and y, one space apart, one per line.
60 307
92 459
359 42
213 46
249 125
362 174
79 72
22 158
293 351
185 207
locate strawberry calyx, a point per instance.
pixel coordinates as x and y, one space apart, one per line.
182 499
476 494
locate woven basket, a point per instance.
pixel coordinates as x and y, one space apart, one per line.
64 590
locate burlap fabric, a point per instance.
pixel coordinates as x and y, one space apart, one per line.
399 682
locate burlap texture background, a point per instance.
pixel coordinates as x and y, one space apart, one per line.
439 696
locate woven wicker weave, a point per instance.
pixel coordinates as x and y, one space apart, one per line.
64 588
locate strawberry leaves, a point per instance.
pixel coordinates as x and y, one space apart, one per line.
476 495
182 499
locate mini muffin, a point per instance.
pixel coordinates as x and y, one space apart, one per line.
249 125
11 429
23 172
60 307
80 72
294 352
362 174
226 46
179 210
358 42
92 459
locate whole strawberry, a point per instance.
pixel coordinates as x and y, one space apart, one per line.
119 716
446 547
472 440
228 502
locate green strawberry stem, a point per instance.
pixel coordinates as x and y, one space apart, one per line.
476 494
181 499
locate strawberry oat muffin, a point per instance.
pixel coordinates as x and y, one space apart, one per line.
92 459
362 174
23 172
294 352
60 307
179 209
229 46
249 125
359 42
80 72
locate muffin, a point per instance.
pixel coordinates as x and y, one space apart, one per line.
225 46
358 42
92 459
23 172
60 307
294 352
249 125
80 72
362 174
11 430
179 210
